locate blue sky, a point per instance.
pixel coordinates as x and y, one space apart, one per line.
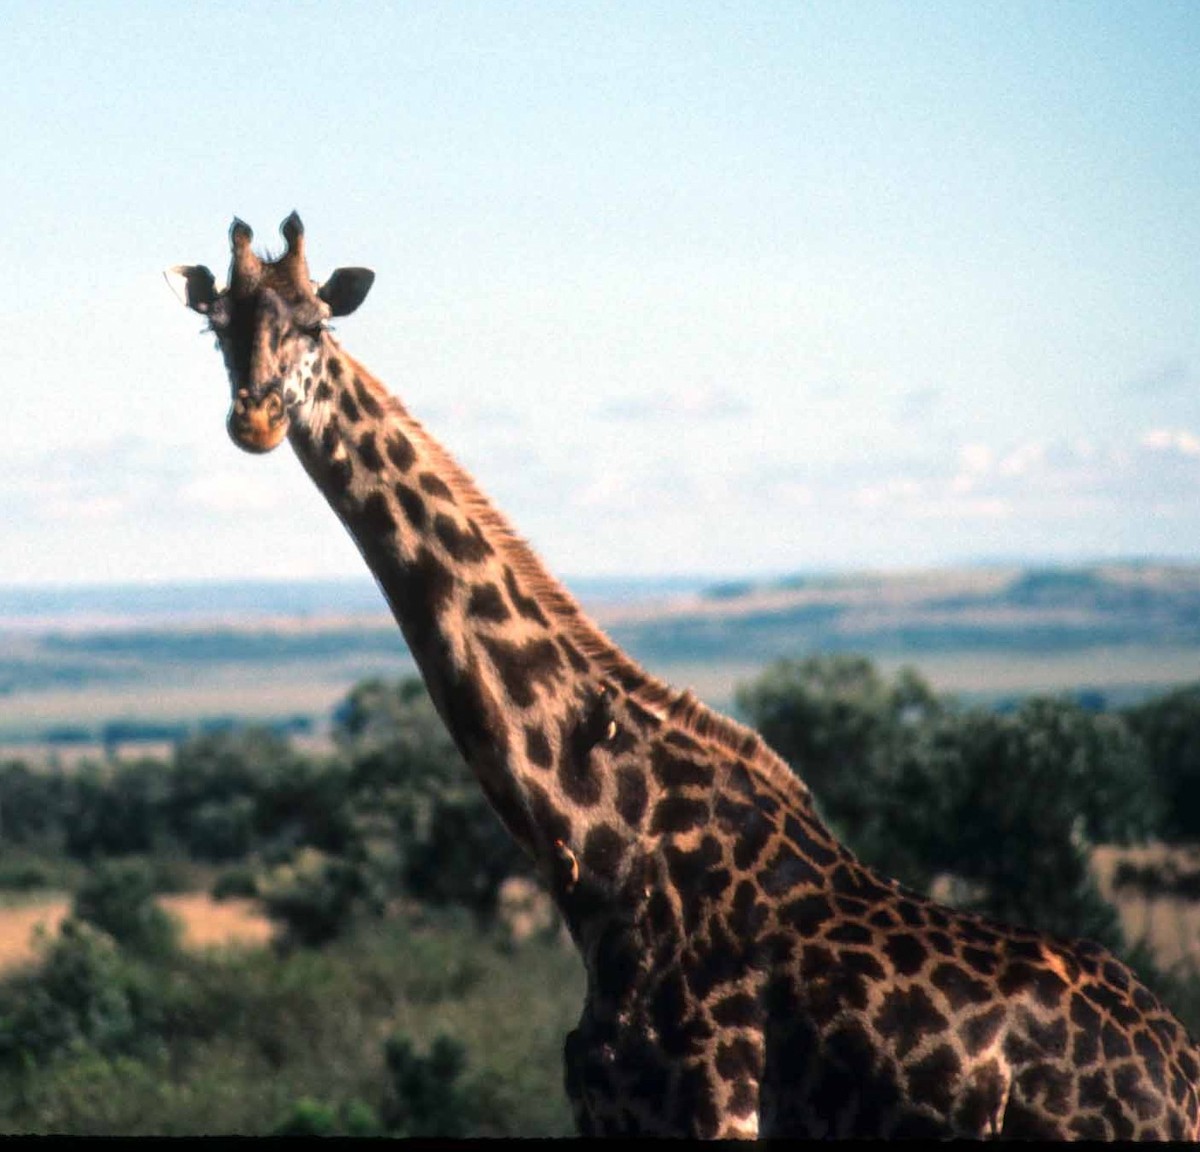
730 289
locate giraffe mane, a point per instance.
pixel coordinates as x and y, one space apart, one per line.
681 708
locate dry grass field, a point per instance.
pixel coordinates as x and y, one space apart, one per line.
1169 924
207 923
20 925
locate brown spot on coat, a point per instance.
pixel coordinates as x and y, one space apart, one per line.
436 486
522 667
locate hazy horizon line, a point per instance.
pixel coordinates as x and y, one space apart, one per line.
688 578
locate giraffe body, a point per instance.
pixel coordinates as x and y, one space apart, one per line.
746 974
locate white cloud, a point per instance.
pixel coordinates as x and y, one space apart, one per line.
1176 441
229 493
1070 482
976 458
608 490
956 507
934 498
974 462
794 493
98 507
1023 459
699 402
625 501
896 490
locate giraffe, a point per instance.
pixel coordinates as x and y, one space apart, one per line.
746 974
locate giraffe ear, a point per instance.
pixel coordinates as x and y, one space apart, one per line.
346 289
193 284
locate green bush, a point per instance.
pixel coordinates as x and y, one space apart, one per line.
236 882
310 1117
86 995
25 875
118 897
317 897
212 1043
86 1092
424 1096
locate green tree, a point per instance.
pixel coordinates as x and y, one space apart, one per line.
117 809
841 726
216 780
236 792
34 805
421 817
1013 805
1009 804
305 801
1170 727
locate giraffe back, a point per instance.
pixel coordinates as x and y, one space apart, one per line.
759 979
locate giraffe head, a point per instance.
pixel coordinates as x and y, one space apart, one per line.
268 322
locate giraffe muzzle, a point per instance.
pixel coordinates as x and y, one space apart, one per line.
257 425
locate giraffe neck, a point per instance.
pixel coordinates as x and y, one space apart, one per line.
509 659
526 684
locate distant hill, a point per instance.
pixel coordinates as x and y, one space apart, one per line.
79 661
914 614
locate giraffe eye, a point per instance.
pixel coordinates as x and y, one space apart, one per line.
312 328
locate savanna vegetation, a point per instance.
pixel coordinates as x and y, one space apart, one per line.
398 997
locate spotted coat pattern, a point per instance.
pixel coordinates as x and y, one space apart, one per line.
746 974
